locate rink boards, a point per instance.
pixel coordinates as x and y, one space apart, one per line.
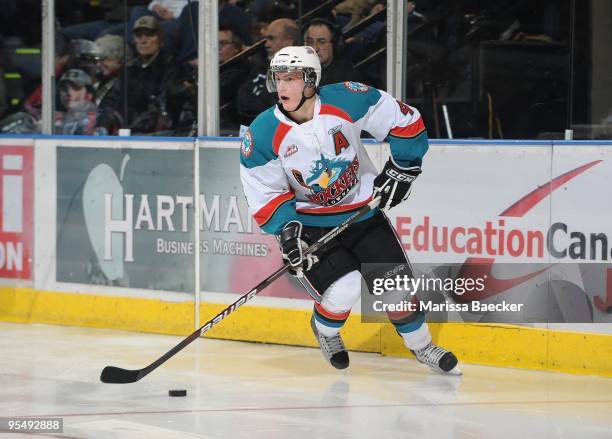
100 232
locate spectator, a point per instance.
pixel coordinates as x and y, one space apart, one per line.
167 12
230 77
84 56
280 34
326 39
77 95
109 90
147 76
253 96
230 44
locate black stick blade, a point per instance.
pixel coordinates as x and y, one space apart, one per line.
116 375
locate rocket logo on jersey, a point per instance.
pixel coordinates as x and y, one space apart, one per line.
330 181
246 146
356 87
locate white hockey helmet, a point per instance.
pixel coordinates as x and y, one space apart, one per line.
295 59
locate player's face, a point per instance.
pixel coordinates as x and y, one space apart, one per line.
290 87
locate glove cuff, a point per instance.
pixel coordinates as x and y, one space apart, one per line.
412 170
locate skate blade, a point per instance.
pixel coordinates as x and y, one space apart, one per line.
455 371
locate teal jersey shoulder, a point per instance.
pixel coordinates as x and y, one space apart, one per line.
354 98
256 148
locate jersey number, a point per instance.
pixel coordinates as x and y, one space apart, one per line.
340 141
405 109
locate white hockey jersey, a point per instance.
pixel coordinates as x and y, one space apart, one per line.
318 172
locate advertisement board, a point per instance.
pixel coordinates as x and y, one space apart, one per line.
532 220
117 211
125 218
16 218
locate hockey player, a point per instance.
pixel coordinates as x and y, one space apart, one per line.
304 171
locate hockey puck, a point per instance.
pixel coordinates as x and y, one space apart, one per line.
176 392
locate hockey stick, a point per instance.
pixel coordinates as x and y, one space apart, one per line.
117 375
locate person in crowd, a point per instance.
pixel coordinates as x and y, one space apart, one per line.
81 115
230 77
230 43
167 13
147 77
253 97
326 38
109 88
84 56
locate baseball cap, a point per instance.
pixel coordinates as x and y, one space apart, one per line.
76 76
146 22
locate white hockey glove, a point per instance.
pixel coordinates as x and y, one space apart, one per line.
393 184
293 246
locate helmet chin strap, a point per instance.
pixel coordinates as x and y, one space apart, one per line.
304 98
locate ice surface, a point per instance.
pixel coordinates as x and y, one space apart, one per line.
248 390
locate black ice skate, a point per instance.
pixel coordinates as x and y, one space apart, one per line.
332 347
438 359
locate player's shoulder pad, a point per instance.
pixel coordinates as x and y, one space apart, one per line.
256 148
354 98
